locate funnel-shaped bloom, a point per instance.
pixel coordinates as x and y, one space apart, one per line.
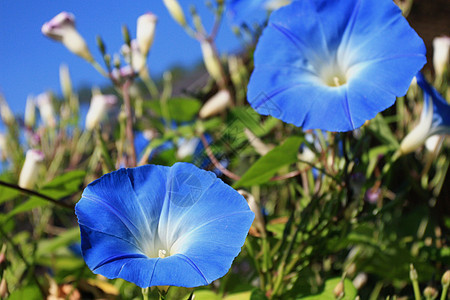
156 225
333 65
435 118
100 105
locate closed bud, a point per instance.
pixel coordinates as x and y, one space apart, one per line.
5 112
30 112
258 222
3 288
360 280
216 104
145 32
62 28
30 170
276 4
211 62
187 147
441 48
100 105
101 45
3 147
134 56
338 290
446 278
430 292
126 35
176 11
44 103
413 273
65 81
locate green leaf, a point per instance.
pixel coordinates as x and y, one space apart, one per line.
30 292
63 240
7 193
180 109
268 165
381 130
206 295
350 291
64 185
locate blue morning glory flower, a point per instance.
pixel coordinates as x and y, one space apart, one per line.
156 225
332 65
435 118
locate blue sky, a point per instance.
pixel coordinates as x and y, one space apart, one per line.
29 61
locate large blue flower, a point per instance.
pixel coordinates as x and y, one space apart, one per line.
156 225
332 65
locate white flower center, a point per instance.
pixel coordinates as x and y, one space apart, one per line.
162 253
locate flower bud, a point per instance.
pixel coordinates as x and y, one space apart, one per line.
45 106
30 112
187 147
430 292
175 11
433 143
216 104
145 32
211 63
62 28
64 79
30 170
338 290
360 280
441 47
3 147
3 288
5 112
137 59
100 105
412 273
446 278
276 4
258 222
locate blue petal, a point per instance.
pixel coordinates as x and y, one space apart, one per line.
128 216
441 109
365 47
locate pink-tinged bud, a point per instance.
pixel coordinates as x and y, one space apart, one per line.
30 170
100 105
3 288
44 103
216 104
30 112
62 28
5 112
145 32
446 278
360 280
175 11
338 290
441 48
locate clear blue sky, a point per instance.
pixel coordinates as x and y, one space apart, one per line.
29 61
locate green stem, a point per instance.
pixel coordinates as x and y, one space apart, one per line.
99 68
37 194
444 291
145 294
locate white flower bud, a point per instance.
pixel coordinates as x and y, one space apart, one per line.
276 4
5 112
30 112
419 134
62 28
175 11
441 47
187 147
434 142
64 79
3 147
360 280
137 59
211 63
100 105
45 106
145 32
30 170
216 104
